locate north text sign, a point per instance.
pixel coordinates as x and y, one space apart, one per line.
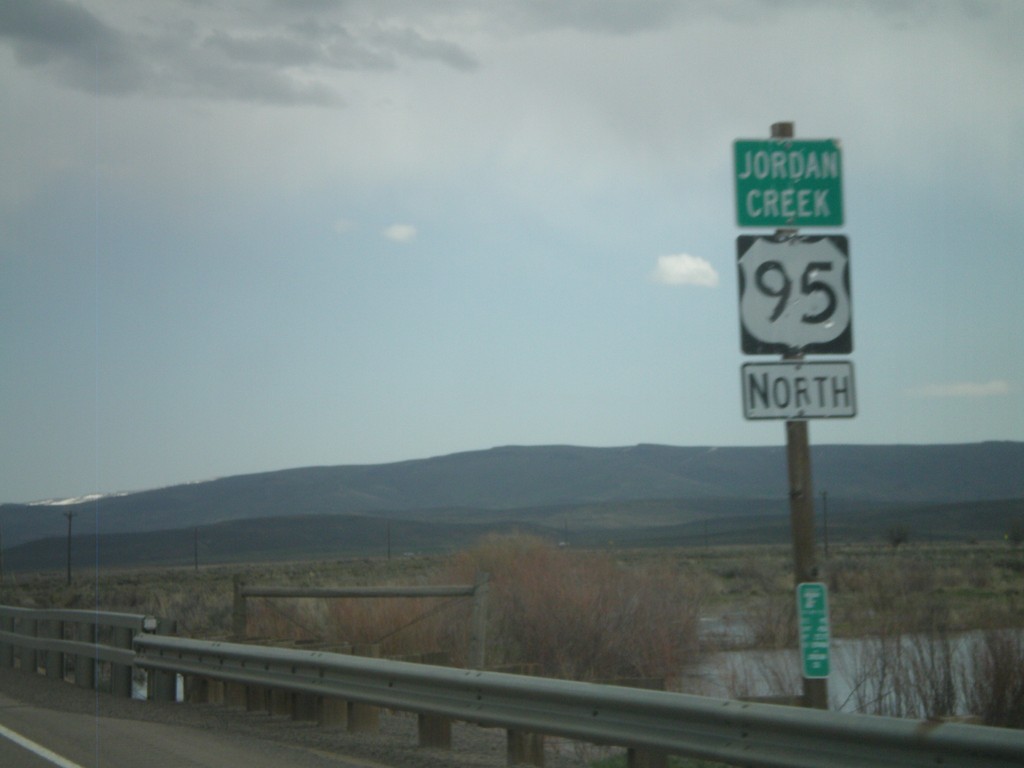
795 390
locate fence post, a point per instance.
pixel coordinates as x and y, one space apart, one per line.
478 636
239 618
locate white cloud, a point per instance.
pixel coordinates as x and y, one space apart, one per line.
994 388
684 269
400 233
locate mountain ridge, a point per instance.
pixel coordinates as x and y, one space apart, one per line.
537 477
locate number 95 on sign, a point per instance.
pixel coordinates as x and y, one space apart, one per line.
794 294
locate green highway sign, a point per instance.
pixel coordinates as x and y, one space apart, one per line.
789 183
812 611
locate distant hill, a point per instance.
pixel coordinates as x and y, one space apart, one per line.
587 490
612 525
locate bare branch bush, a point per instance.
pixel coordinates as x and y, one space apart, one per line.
580 615
993 682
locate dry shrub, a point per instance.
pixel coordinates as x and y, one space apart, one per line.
275 619
579 615
994 684
889 597
771 622
404 626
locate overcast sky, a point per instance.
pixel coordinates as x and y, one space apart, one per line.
245 235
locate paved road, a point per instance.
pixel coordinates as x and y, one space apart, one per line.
85 729
89 741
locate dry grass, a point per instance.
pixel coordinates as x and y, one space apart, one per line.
615 613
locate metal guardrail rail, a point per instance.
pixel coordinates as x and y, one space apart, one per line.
742 733
48 637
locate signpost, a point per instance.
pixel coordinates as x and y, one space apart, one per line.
794 389
812 610
782 182
794 294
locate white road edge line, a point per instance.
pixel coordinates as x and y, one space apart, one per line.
37 749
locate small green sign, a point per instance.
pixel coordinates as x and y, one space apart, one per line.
789 183
812 610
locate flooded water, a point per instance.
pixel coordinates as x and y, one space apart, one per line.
907 676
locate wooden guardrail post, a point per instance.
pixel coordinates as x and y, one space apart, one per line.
523 747
215 691
331 712
235 695
121 674
197 689
55 659
645 758
85 666
256 699
364 717
29 657
304 707
7 648
163 686
435 731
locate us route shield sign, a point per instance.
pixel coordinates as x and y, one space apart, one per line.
794 294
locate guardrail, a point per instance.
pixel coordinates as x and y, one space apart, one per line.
742 733
48 639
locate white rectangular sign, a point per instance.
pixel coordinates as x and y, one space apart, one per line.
797 390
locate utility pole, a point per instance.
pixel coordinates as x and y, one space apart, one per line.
69 514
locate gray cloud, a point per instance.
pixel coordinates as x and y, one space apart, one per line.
607 16
409 42
72 43
254 60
